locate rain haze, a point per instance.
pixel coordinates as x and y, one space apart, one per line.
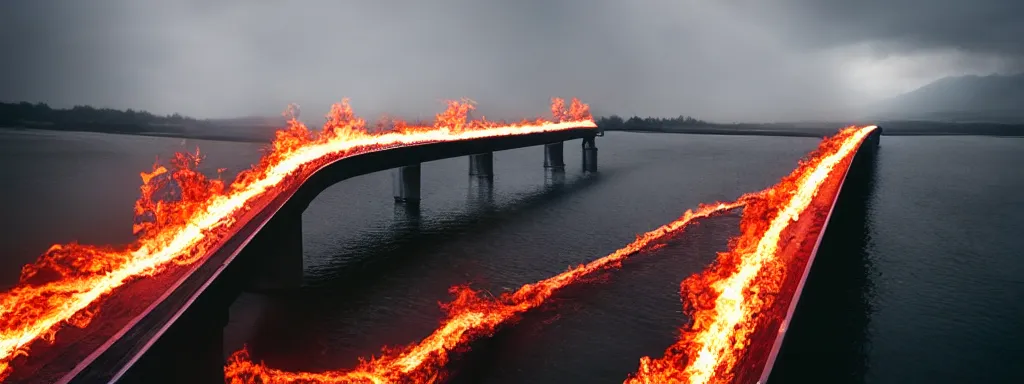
733 60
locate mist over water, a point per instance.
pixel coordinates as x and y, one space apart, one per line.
918 278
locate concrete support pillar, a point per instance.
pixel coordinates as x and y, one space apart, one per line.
553 155
277 250
589 154
407 184
482 164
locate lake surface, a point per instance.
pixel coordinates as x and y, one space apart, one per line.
926 284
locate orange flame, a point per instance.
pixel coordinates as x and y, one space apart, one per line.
469 317
65 285
726 301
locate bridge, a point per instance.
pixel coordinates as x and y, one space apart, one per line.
178 337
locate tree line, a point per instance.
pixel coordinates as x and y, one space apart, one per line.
41 115
615 122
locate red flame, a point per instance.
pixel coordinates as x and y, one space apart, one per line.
723 300
66 284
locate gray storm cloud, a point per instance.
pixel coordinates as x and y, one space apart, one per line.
727 60
976 26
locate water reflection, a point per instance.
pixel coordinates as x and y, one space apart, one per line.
827 340
480 194
554 177
379 254
407 218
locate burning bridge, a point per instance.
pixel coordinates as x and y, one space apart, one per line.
154 311
181 333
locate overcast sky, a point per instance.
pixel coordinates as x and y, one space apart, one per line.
725 60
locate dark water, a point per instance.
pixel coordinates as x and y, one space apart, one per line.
924 284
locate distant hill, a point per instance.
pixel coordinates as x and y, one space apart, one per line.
993 98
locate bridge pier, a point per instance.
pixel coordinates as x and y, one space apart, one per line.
406 182
589 154
277 250
553 155
482 164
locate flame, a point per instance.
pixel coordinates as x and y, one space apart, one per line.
65 285
725 301
727 297
469 317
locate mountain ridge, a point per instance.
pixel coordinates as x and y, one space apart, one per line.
968 98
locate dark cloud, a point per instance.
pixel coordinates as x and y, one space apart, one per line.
977 26
723 60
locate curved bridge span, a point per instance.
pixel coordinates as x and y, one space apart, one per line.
179 336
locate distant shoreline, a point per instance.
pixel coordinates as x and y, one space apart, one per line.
818 130
84 118
40 116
